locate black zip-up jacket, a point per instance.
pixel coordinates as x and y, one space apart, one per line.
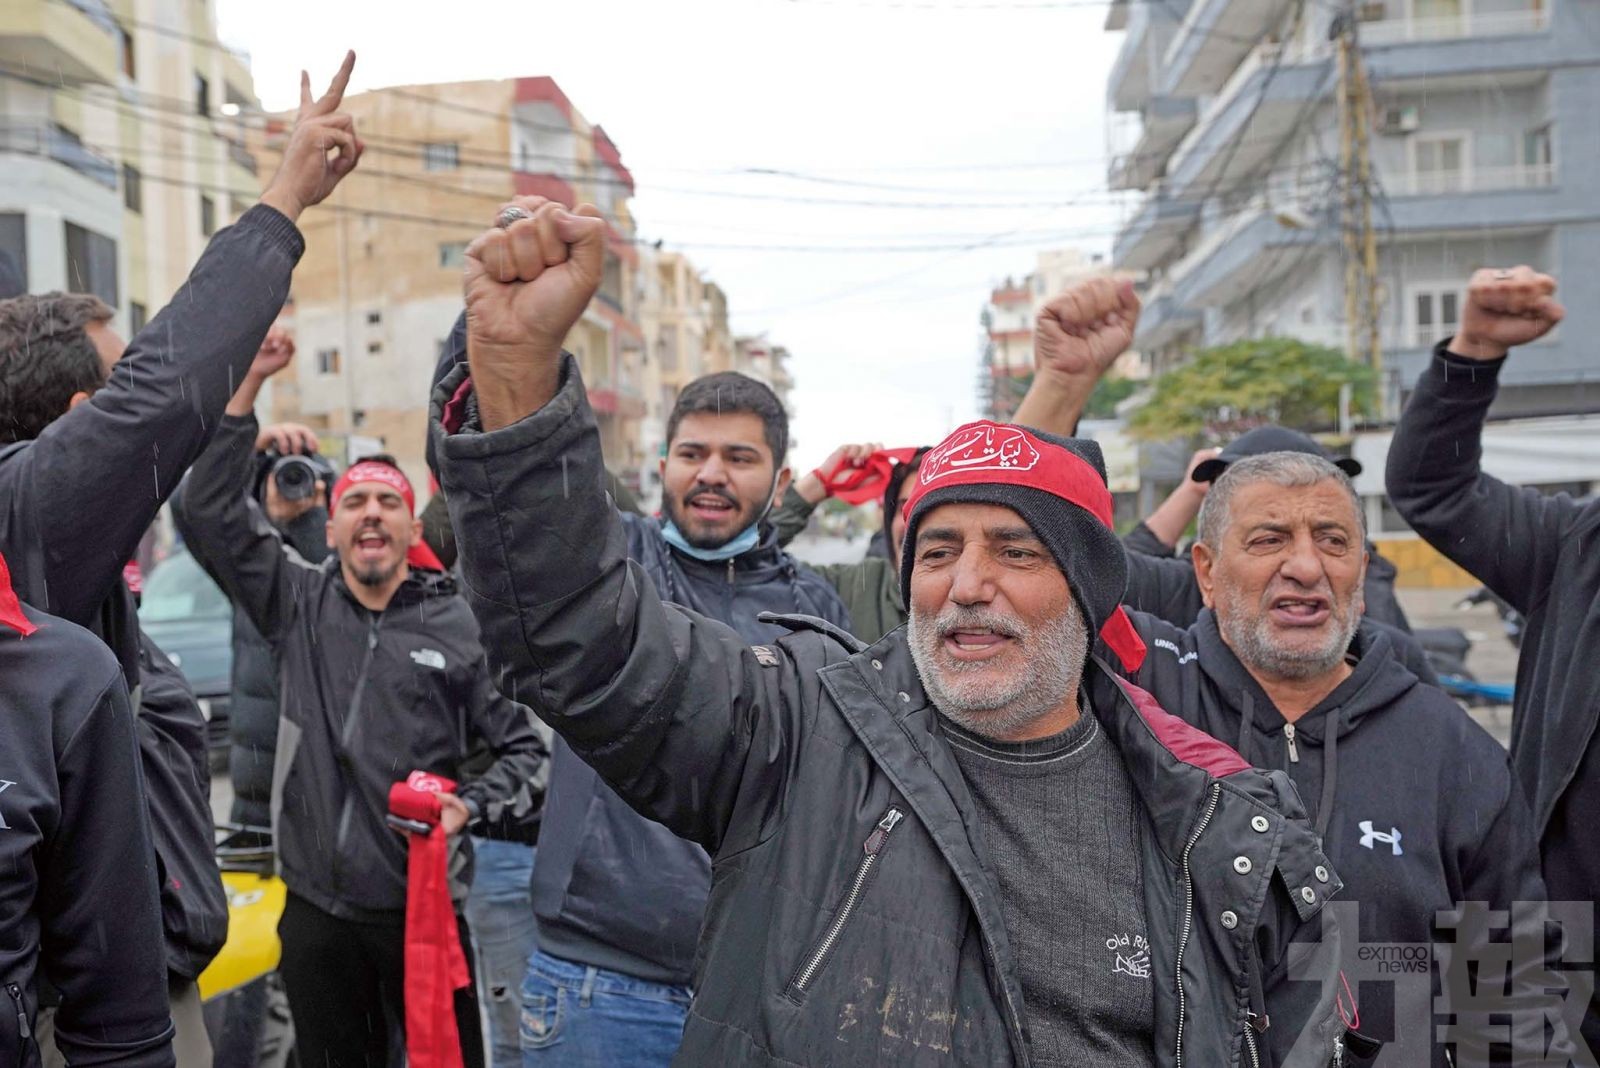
1414 801
367 697
1540 554
853 919
75 501
79 906
253 693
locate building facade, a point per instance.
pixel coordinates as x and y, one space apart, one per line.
122 146
1485 150
379 288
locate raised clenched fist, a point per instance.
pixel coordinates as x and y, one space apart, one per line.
525 286
1082 332
1506 308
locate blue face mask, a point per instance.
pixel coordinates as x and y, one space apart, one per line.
740 545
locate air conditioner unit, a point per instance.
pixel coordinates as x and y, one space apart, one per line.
1399 120
1376 11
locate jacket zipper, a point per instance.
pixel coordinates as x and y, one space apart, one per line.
730 572
1250 1045
1294 751
347 809
1188 910
872 848
24 1032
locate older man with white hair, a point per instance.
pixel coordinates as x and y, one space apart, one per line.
1414 801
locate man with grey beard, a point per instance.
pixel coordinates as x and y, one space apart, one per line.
1414 801
873 900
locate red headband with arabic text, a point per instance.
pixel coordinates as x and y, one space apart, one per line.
985 453
375 471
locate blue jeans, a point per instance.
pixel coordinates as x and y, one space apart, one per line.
577 1016
499 910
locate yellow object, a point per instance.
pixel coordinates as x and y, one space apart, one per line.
255 902
1421 566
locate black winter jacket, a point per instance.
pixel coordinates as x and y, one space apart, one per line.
1541 554
79 905
253 693
852 917
366 697
1414 801
75 502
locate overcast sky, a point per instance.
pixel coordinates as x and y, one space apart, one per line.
996 113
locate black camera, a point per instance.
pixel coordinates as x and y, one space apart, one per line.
297 476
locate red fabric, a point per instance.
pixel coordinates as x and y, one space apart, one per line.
421 554
372 471
11 608
436 967
984 453
864 482
133 575
1189 744
454 415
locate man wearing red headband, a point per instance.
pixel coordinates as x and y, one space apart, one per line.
966 844
381 674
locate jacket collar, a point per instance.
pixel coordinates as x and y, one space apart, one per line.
761 563
420 585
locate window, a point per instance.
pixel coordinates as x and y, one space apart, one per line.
1435 313
327 361
374 347
453 254
138 315
1536 147
202 96
91 263
13 255
132 188
374 318
441 156
1440 163
126 40
208 215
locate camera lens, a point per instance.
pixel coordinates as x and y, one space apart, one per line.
296 477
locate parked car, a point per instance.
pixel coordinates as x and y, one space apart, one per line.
191 619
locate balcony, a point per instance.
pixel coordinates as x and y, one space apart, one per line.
1476 180
1246 122
46 140
242 156
73 41
1239 254
1213 39
1153 235
1161 127
1163 320
1452 27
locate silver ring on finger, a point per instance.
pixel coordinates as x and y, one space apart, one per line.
1502 276
511 215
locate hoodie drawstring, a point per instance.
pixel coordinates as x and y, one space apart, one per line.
1247 722
1330 770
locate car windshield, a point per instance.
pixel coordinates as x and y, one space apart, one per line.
177 589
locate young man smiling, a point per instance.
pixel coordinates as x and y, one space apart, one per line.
972 845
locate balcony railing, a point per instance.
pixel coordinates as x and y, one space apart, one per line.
49 141
1447 27
1475 180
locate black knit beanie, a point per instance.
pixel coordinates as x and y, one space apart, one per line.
1088 552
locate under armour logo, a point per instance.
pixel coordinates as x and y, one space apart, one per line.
4 786
1369 836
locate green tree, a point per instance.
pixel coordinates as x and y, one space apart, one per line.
1223 391
1108 393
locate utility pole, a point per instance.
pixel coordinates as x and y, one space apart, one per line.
1361 288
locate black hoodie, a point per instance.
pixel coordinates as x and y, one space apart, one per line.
1415 801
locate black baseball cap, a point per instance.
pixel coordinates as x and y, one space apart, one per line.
1265 439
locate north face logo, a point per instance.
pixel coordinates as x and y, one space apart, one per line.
431 658
1391 839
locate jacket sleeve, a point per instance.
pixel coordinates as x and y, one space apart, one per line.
231 537
1141 540
791 516
1165 587
133 439
102 933
1508 537
307 534
672 709
513 785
